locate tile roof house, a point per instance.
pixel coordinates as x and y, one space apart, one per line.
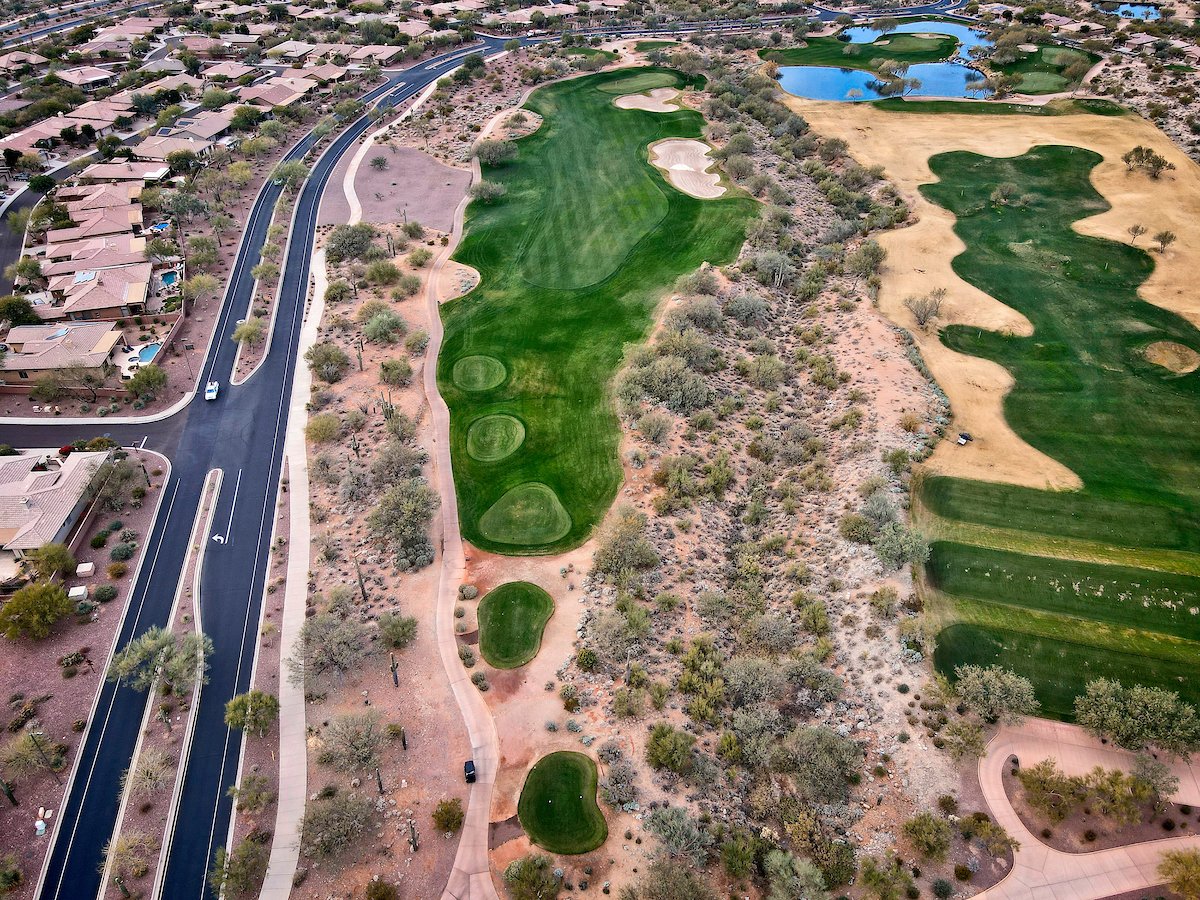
94 253
159 147
230 71
270 94
204 126
43 348
83 198
147 172
99 222
12 62
98 294
86 78
42 498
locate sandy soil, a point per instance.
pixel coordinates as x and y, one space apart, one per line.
413 185
1176 357
657 100
687 166
920 256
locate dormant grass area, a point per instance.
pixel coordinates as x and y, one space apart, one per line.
558 807
1085 394
574 259
512 618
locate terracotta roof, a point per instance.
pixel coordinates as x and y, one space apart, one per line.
125 171
98 222
94 253
36 506
94 289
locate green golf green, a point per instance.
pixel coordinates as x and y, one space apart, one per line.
558 807
574 260
647 46
512 617
1049 69
529 513
492 438
892 48
640 81
479 373
1086 395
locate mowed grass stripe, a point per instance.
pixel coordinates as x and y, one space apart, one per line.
574 260
512 618
1059 669
1116 595
1085 395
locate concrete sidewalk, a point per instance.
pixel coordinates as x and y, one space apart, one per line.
1042 873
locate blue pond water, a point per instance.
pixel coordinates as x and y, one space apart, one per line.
169 278
1142 11
941 79
147 353
967 37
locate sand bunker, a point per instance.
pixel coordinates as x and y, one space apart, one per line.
657 100
1172 356
686 165
919 256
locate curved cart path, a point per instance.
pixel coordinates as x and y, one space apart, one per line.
471 877
1042 873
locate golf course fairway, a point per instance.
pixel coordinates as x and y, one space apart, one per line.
574 258
558 807
1087 395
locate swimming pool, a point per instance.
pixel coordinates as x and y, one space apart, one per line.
148 351
169 278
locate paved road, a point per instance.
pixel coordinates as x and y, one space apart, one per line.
1042 873
242 434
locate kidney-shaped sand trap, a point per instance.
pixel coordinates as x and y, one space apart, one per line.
657 100
686 165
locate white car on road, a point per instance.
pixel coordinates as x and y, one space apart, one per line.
211 389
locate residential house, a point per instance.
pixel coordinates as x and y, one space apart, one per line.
326 73
268 94
87 78
43 497
204 126
147 172
159 147
34 349
99 222
228 71
17 61
106 252
82 199
291 50
376 53
98 293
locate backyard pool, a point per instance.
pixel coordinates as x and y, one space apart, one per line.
940 79
147 352
169 278
967 37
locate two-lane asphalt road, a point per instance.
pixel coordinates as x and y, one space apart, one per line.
242 433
